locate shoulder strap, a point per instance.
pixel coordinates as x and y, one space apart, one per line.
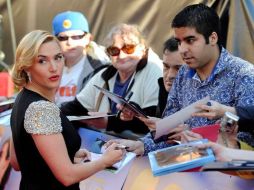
89 76
95 63
98 102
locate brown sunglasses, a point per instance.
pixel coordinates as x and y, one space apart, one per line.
115 51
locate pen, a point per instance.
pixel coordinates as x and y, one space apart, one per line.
121 147
118 146
176 141
128 97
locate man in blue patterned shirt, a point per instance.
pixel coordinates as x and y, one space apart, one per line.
210 70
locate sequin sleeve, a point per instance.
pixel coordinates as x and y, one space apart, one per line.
42 117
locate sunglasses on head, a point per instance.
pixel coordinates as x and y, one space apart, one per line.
74 37
115 51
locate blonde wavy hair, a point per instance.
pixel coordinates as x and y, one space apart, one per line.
26 53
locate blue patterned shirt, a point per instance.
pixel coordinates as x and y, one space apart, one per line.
231 83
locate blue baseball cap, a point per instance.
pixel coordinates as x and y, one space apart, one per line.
69 20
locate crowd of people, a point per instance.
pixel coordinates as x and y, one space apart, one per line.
133 65
209 70
56 74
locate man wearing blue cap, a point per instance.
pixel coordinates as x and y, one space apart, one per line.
83 56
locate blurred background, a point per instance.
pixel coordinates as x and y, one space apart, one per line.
18 17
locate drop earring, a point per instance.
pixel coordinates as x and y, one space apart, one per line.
29 76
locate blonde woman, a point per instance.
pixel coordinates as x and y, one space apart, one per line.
45 142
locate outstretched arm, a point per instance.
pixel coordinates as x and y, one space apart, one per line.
228 154
53 150
214 110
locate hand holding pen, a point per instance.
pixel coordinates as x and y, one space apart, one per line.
112 155
104 144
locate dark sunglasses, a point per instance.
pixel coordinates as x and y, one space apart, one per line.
115 51
75 37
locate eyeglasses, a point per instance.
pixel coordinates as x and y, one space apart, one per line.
115 51
74 37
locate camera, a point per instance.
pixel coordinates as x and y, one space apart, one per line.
229 122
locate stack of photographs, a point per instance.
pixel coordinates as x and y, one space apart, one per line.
179 158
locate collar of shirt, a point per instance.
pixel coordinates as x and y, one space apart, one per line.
219 67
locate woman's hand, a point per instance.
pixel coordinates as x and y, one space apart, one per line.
132 146
81 156
112 155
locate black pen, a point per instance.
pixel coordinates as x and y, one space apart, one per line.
118 146
128 97
121 147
